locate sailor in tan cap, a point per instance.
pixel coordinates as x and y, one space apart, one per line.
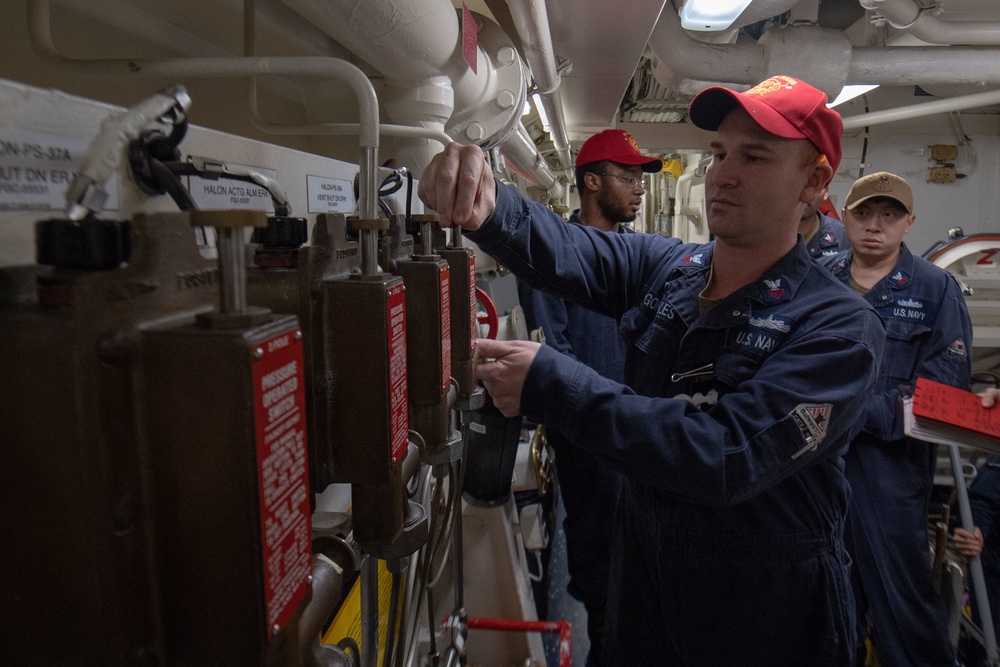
891 476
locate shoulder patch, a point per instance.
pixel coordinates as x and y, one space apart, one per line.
957 349
812 420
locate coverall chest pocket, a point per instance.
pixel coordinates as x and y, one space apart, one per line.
655 341
732 368
904 346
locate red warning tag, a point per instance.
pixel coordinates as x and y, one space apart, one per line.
282 476
470 39
399 420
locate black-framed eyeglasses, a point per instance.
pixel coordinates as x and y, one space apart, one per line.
631 181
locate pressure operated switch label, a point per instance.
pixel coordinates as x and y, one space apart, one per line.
283 475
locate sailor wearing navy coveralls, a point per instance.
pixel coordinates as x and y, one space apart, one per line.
609 171
928 333
746 383
823 235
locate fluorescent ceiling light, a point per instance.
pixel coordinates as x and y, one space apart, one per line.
540 108
850 92
708 15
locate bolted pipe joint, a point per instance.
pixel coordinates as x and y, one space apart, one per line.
492 115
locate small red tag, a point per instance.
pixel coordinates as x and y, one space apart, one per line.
470 39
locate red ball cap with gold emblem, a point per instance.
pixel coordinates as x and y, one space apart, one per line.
782 105
618 146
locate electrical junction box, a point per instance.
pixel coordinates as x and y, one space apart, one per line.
944 152
942 175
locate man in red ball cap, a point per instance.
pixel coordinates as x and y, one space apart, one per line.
746 370
609 180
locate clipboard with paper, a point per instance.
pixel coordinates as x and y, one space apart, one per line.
944 415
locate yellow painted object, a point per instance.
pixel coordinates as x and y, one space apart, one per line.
347 621
672 168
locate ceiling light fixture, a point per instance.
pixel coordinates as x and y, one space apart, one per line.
708 15
850 92
542 116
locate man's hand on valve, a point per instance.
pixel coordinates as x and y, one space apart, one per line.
503 366
459 186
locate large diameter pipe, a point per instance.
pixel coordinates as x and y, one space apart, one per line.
684 57
917 65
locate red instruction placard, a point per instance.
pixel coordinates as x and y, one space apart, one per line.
933 400
283 476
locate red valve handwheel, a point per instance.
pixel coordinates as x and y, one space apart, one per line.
486 313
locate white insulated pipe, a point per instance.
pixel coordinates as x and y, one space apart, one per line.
522 155
690 65
907 15
415 44
532 22
684 58
917 65
973 101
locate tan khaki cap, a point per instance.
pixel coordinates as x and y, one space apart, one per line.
880 184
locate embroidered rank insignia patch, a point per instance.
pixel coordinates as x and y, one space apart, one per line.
774 289
900 278
698 259
812 420
957 349
829 238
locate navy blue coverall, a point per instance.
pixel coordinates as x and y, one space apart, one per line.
928 334
829 239
589 487
728 546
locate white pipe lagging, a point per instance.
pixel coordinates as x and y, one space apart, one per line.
909 16
414 45
921 65
522 155
685 60
689 65
532 22
973 101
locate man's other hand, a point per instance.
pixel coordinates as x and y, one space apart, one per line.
503 366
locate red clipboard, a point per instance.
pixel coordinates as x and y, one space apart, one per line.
940 402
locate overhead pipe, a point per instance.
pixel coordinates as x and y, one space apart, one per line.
973 101
532 22
921 65
684 60
917 21
688 65
522 155
414 44
249 50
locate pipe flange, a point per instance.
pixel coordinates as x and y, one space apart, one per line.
495 113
